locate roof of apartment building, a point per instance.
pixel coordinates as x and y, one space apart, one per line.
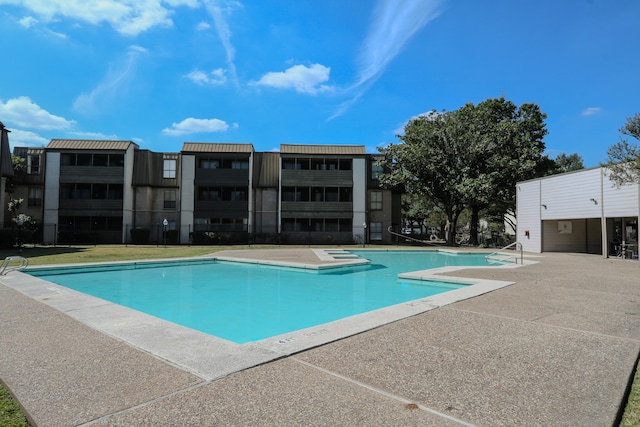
216 147
89 144
322 149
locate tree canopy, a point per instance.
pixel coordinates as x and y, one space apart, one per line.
568 163
623 157
468 158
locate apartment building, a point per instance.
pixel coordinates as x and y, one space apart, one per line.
6 170
216 203
322 193
384 205
156 198
86 191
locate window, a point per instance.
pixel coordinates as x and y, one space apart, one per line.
35 196
169 168
375 231
68 159
33 165
288 194
376 200
332 225
317 194
209 164
288 224
100 159
225 194
209 193
115 192
83 159
331 194
240 164
169 199
317 224
116 160
303 164
332 164
289 164
376 171
345 194
82 192
238 195
99 191
296 164
295 194
345 224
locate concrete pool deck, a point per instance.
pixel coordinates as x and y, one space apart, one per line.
557 347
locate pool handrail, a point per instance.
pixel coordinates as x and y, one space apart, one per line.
499 256
6 266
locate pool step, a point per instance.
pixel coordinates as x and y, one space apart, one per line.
340 253
334 254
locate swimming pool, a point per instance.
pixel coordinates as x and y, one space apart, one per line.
242 302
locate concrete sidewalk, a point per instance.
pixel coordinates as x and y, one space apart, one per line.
558 347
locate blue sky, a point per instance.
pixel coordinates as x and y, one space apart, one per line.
311 71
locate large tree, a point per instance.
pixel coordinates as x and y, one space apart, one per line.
471 157
504 146
427 160
623 158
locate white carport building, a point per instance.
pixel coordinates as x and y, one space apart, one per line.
581 211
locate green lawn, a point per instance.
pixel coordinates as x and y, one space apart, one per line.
42 255
10 414
631 416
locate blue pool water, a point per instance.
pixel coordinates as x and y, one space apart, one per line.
248 302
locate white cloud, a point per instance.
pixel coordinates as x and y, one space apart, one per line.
138 49
300 78
392 25
215 77
203 26
117 80
23 112
28 21
25 138
217 9
57 34
125 16
591 111
94 135
191 125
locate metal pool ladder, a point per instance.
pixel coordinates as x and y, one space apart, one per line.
502 257
13 263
